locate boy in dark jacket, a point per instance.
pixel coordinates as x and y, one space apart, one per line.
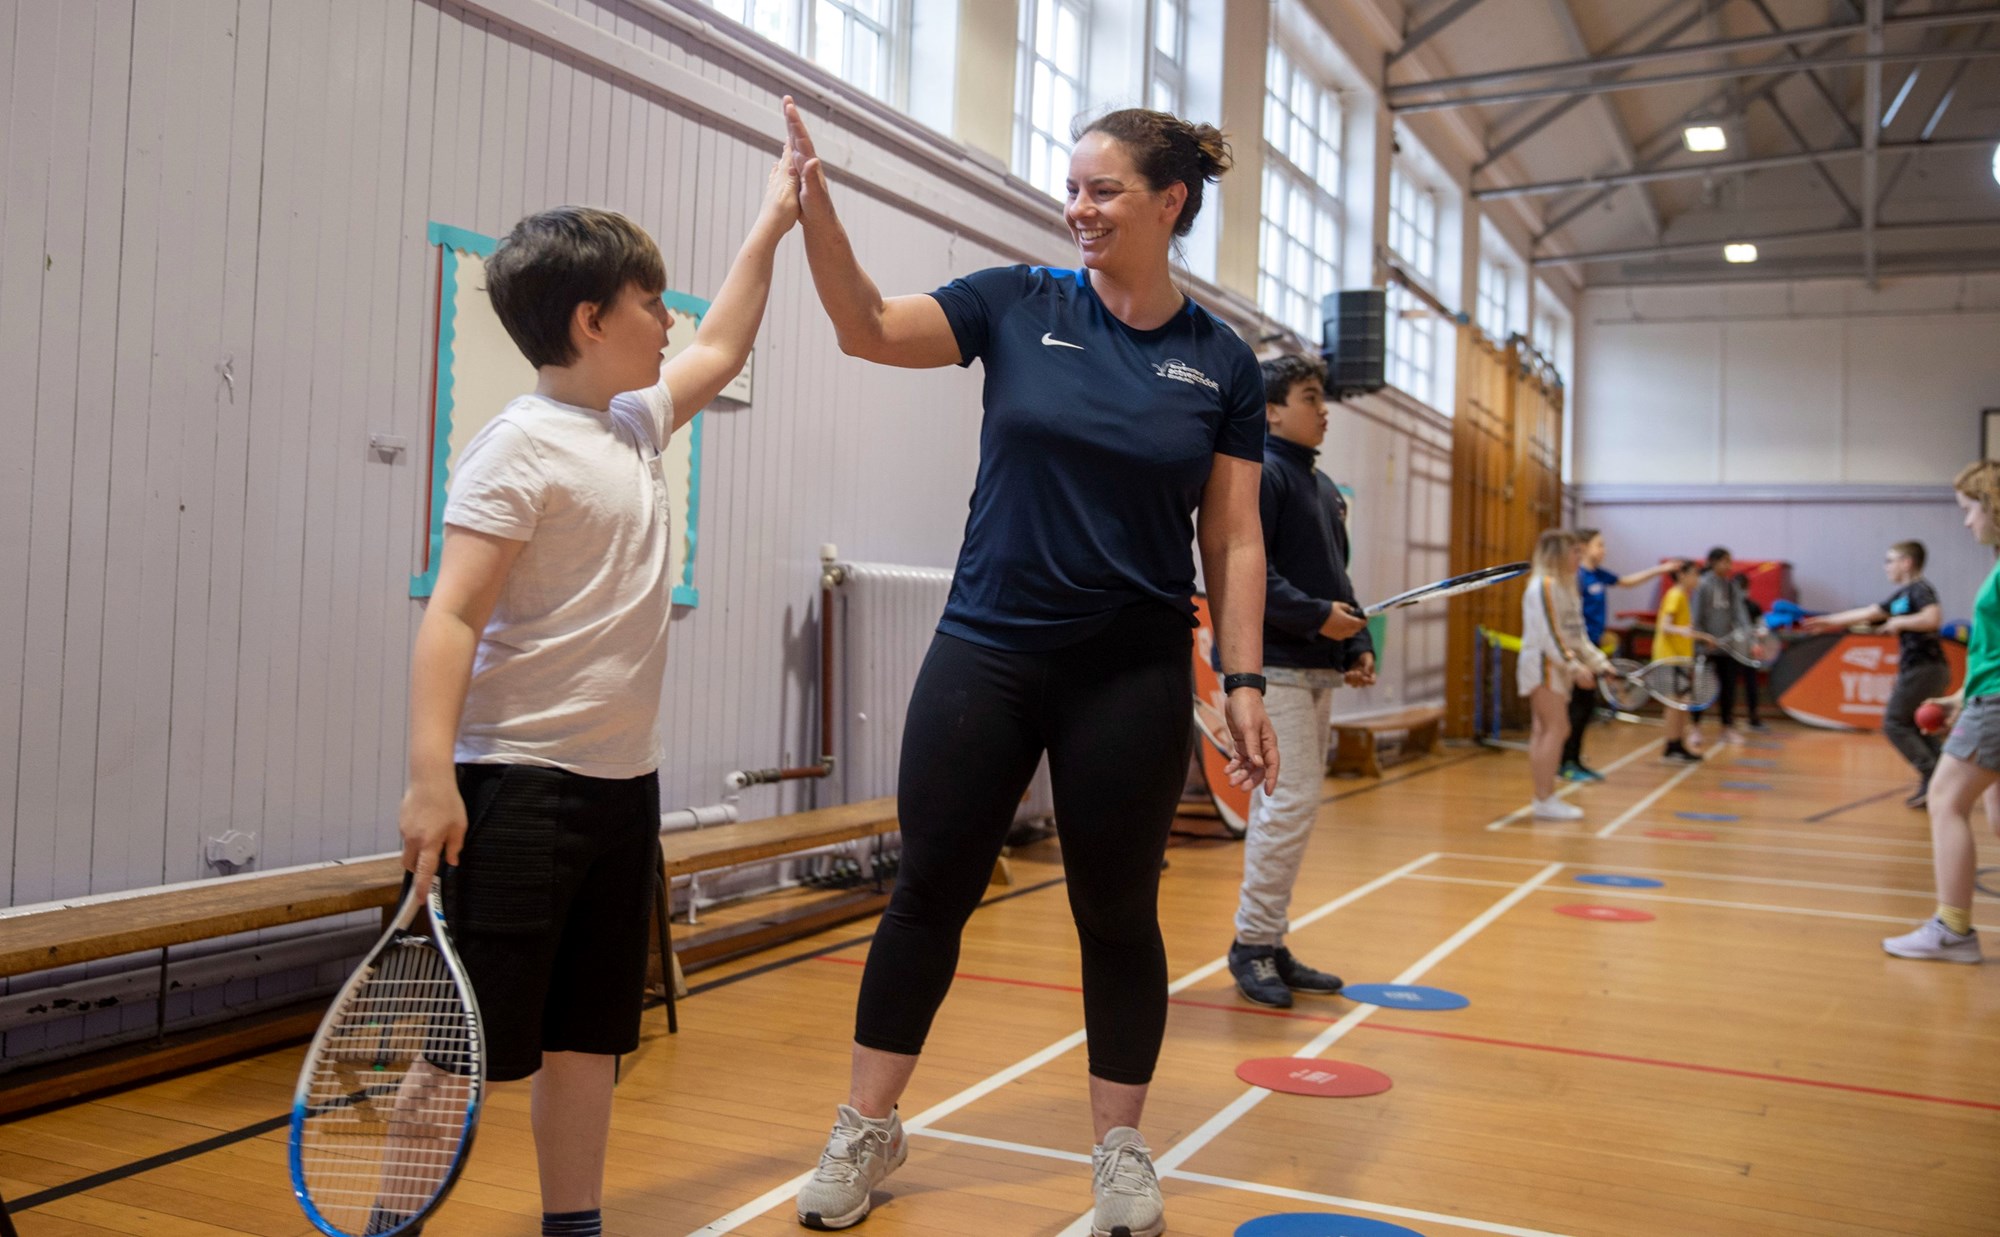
1315 638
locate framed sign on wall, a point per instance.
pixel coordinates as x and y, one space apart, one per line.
479 370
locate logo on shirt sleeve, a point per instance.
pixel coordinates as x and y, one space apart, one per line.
1181 371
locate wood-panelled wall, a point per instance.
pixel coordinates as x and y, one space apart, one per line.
1506 488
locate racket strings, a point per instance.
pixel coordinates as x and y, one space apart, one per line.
388 1098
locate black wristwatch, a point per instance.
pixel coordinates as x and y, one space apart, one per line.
1230 682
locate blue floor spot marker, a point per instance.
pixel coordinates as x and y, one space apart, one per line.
1618 882
1746 786
1404 996
1321 1224
1708 816
1751 763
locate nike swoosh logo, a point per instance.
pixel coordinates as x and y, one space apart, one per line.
1051 341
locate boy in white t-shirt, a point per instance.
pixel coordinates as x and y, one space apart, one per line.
535 686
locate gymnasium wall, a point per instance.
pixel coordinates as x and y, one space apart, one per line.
1813 421
215 287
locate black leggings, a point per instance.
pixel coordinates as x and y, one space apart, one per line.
1113 713
1732 672
1582 708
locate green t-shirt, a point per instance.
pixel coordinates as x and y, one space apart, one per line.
1982 658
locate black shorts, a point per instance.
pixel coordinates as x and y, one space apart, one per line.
549 907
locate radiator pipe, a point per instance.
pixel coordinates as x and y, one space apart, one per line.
831 575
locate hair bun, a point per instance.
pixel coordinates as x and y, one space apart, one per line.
1216 157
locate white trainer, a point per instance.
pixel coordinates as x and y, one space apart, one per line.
859 1154
1127 1188
1933 942
1553 808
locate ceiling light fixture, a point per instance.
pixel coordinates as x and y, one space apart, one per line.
1740 252
1705 139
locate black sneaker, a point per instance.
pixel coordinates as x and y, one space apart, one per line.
1679 755
1301 978
1255 969
1757 727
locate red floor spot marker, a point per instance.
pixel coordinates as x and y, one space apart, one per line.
1682 835
1608 914
1301 1076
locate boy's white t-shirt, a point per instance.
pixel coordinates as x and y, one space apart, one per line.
570 667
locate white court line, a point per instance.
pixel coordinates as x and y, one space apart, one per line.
1610 891
788 1190
1797 852
1209 1130
1646 802
1253 1187
1926 894
1570 788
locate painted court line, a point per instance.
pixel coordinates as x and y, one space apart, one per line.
1797 852
1209 1130
1926 894
1646 802
1251 1187
1613 892
1571 788
786 1191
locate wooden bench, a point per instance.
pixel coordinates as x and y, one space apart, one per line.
1358 743
693 851
160 919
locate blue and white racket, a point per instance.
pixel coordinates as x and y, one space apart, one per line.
389 1094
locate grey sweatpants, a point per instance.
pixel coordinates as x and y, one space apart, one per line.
1914 685
1281 823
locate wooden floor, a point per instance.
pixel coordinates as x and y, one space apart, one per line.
1749 1062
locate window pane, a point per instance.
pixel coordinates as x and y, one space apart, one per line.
864 48
1045 28
1166 28
1041 95
1065 106
1163 98
828 28
1069 41
1038 162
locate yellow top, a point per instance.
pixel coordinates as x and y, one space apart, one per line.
1674 608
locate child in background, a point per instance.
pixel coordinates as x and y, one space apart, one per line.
1554 659
1592 583
1674 635
1913 615
1722 606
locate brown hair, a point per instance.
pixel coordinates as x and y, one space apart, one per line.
1282 373
559 259
1981 480
1912 550
1166 150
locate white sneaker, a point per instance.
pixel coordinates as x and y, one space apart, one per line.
858 1155
1127 1188
1553 808
1933 942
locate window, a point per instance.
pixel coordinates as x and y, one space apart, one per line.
1497 300
1412 346
851 39
1552 340
1168 90
1298 260
1050 92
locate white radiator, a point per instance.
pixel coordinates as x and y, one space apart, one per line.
888 615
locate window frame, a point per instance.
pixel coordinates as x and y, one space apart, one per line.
1167 69
1311 195
1028 56
800 36
1412 353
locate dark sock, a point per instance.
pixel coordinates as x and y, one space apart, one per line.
573 1223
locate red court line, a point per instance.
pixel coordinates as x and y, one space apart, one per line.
1689 1066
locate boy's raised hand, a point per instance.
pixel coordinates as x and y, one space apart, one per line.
781 190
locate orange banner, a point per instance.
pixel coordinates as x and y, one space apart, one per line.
1843 682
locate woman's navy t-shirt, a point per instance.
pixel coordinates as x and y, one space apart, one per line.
1097 442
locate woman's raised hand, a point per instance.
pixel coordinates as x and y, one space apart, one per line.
810 177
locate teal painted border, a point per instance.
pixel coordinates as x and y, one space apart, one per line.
684 593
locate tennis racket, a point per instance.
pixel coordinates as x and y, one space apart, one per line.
1754 646
1688 684
389 1094
1623 688
1450 586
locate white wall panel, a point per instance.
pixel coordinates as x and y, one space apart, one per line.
204 619
1782 395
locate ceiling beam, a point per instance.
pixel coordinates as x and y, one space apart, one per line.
1596 64
1871 144
1771 238
1799 140
1693 75
1613 125
1423 34
1759 163
1818 83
